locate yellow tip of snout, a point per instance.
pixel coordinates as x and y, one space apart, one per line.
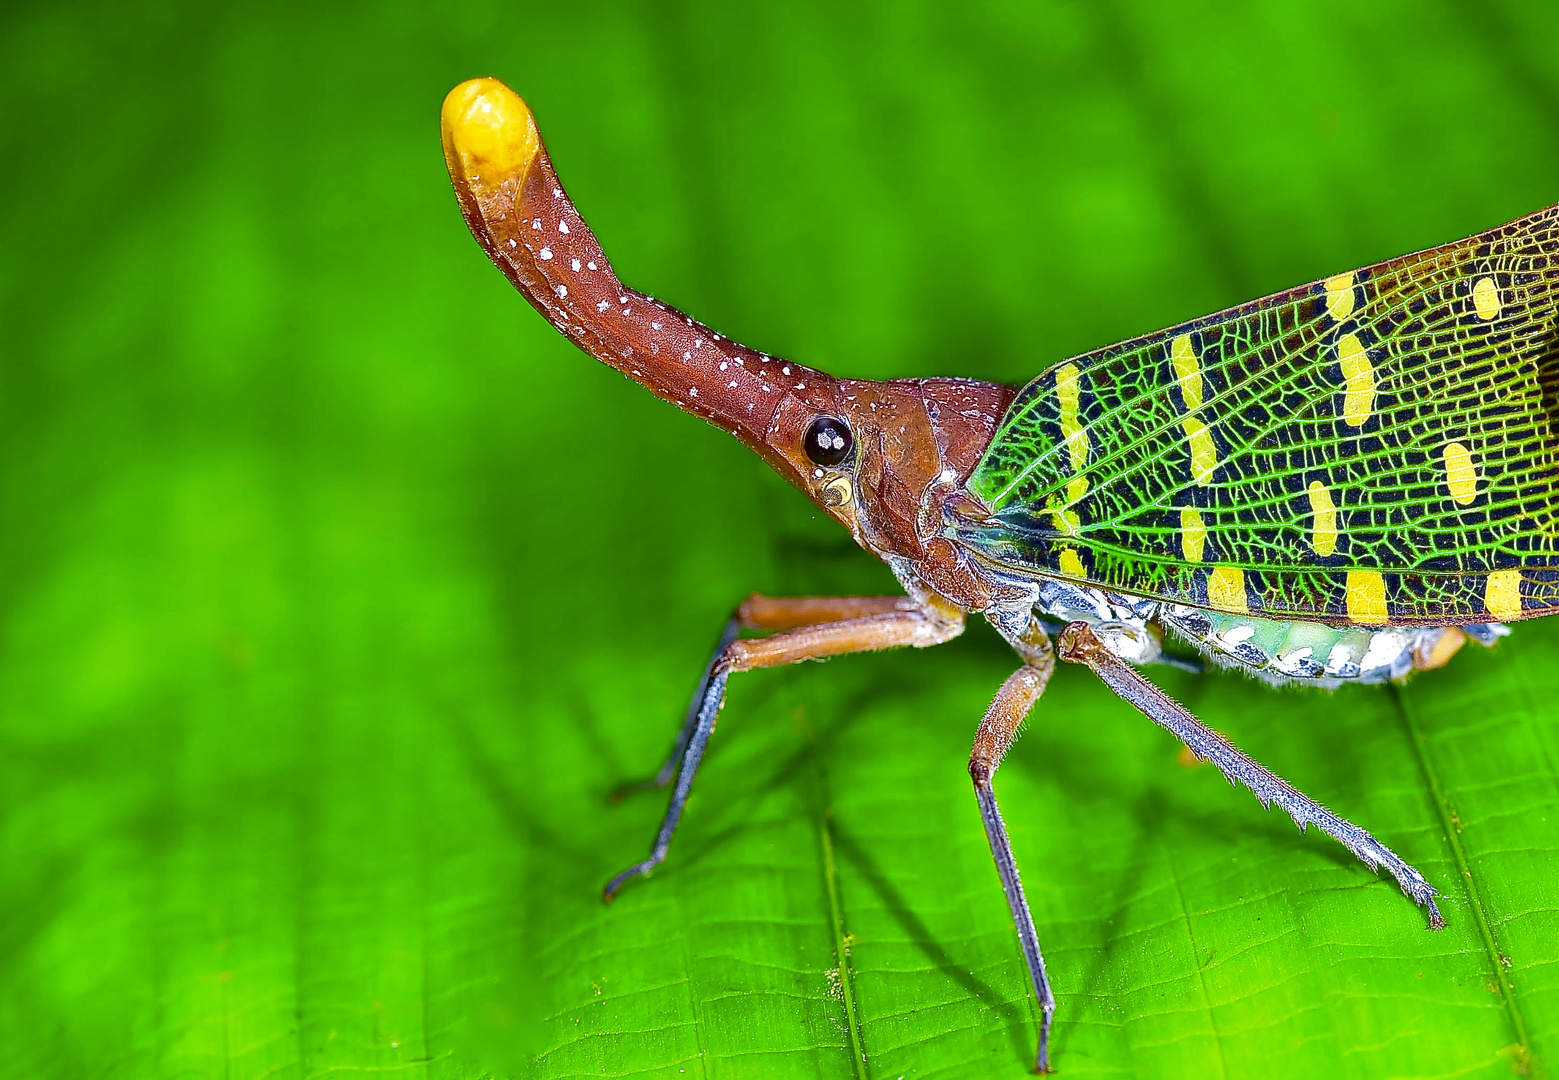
489 133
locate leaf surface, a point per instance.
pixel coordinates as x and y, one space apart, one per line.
340 593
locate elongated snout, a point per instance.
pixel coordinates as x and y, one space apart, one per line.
518 211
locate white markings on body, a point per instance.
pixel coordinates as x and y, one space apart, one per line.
544 254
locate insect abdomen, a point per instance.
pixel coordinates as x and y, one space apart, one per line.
1285 650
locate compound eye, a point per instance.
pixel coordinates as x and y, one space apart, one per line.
828 441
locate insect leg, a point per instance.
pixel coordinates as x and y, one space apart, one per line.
918 626
759 612
1079 645
997 730
733 628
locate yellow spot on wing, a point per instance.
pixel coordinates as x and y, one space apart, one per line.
1187 371
1204 454
1193 534
1461 473
1071 565
1067 521
1339 296
1485 298
1226 589
1366 597
1076 488
1323 534
1502 594
1073 433
1358 380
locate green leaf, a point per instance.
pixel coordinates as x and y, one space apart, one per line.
340 593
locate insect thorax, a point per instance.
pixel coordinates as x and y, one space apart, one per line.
1273 650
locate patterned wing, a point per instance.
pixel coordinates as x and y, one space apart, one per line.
1378 447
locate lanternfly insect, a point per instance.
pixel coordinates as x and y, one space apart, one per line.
1342 482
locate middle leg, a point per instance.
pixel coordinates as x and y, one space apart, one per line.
998 729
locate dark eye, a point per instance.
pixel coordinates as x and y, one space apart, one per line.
828 441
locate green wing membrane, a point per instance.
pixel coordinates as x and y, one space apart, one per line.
1378 447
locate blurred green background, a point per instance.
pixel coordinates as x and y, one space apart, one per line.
338 593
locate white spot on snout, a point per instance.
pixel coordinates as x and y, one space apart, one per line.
544 254
591 264
575 265
562 291
563 227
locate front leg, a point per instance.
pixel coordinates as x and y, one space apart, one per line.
808 628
